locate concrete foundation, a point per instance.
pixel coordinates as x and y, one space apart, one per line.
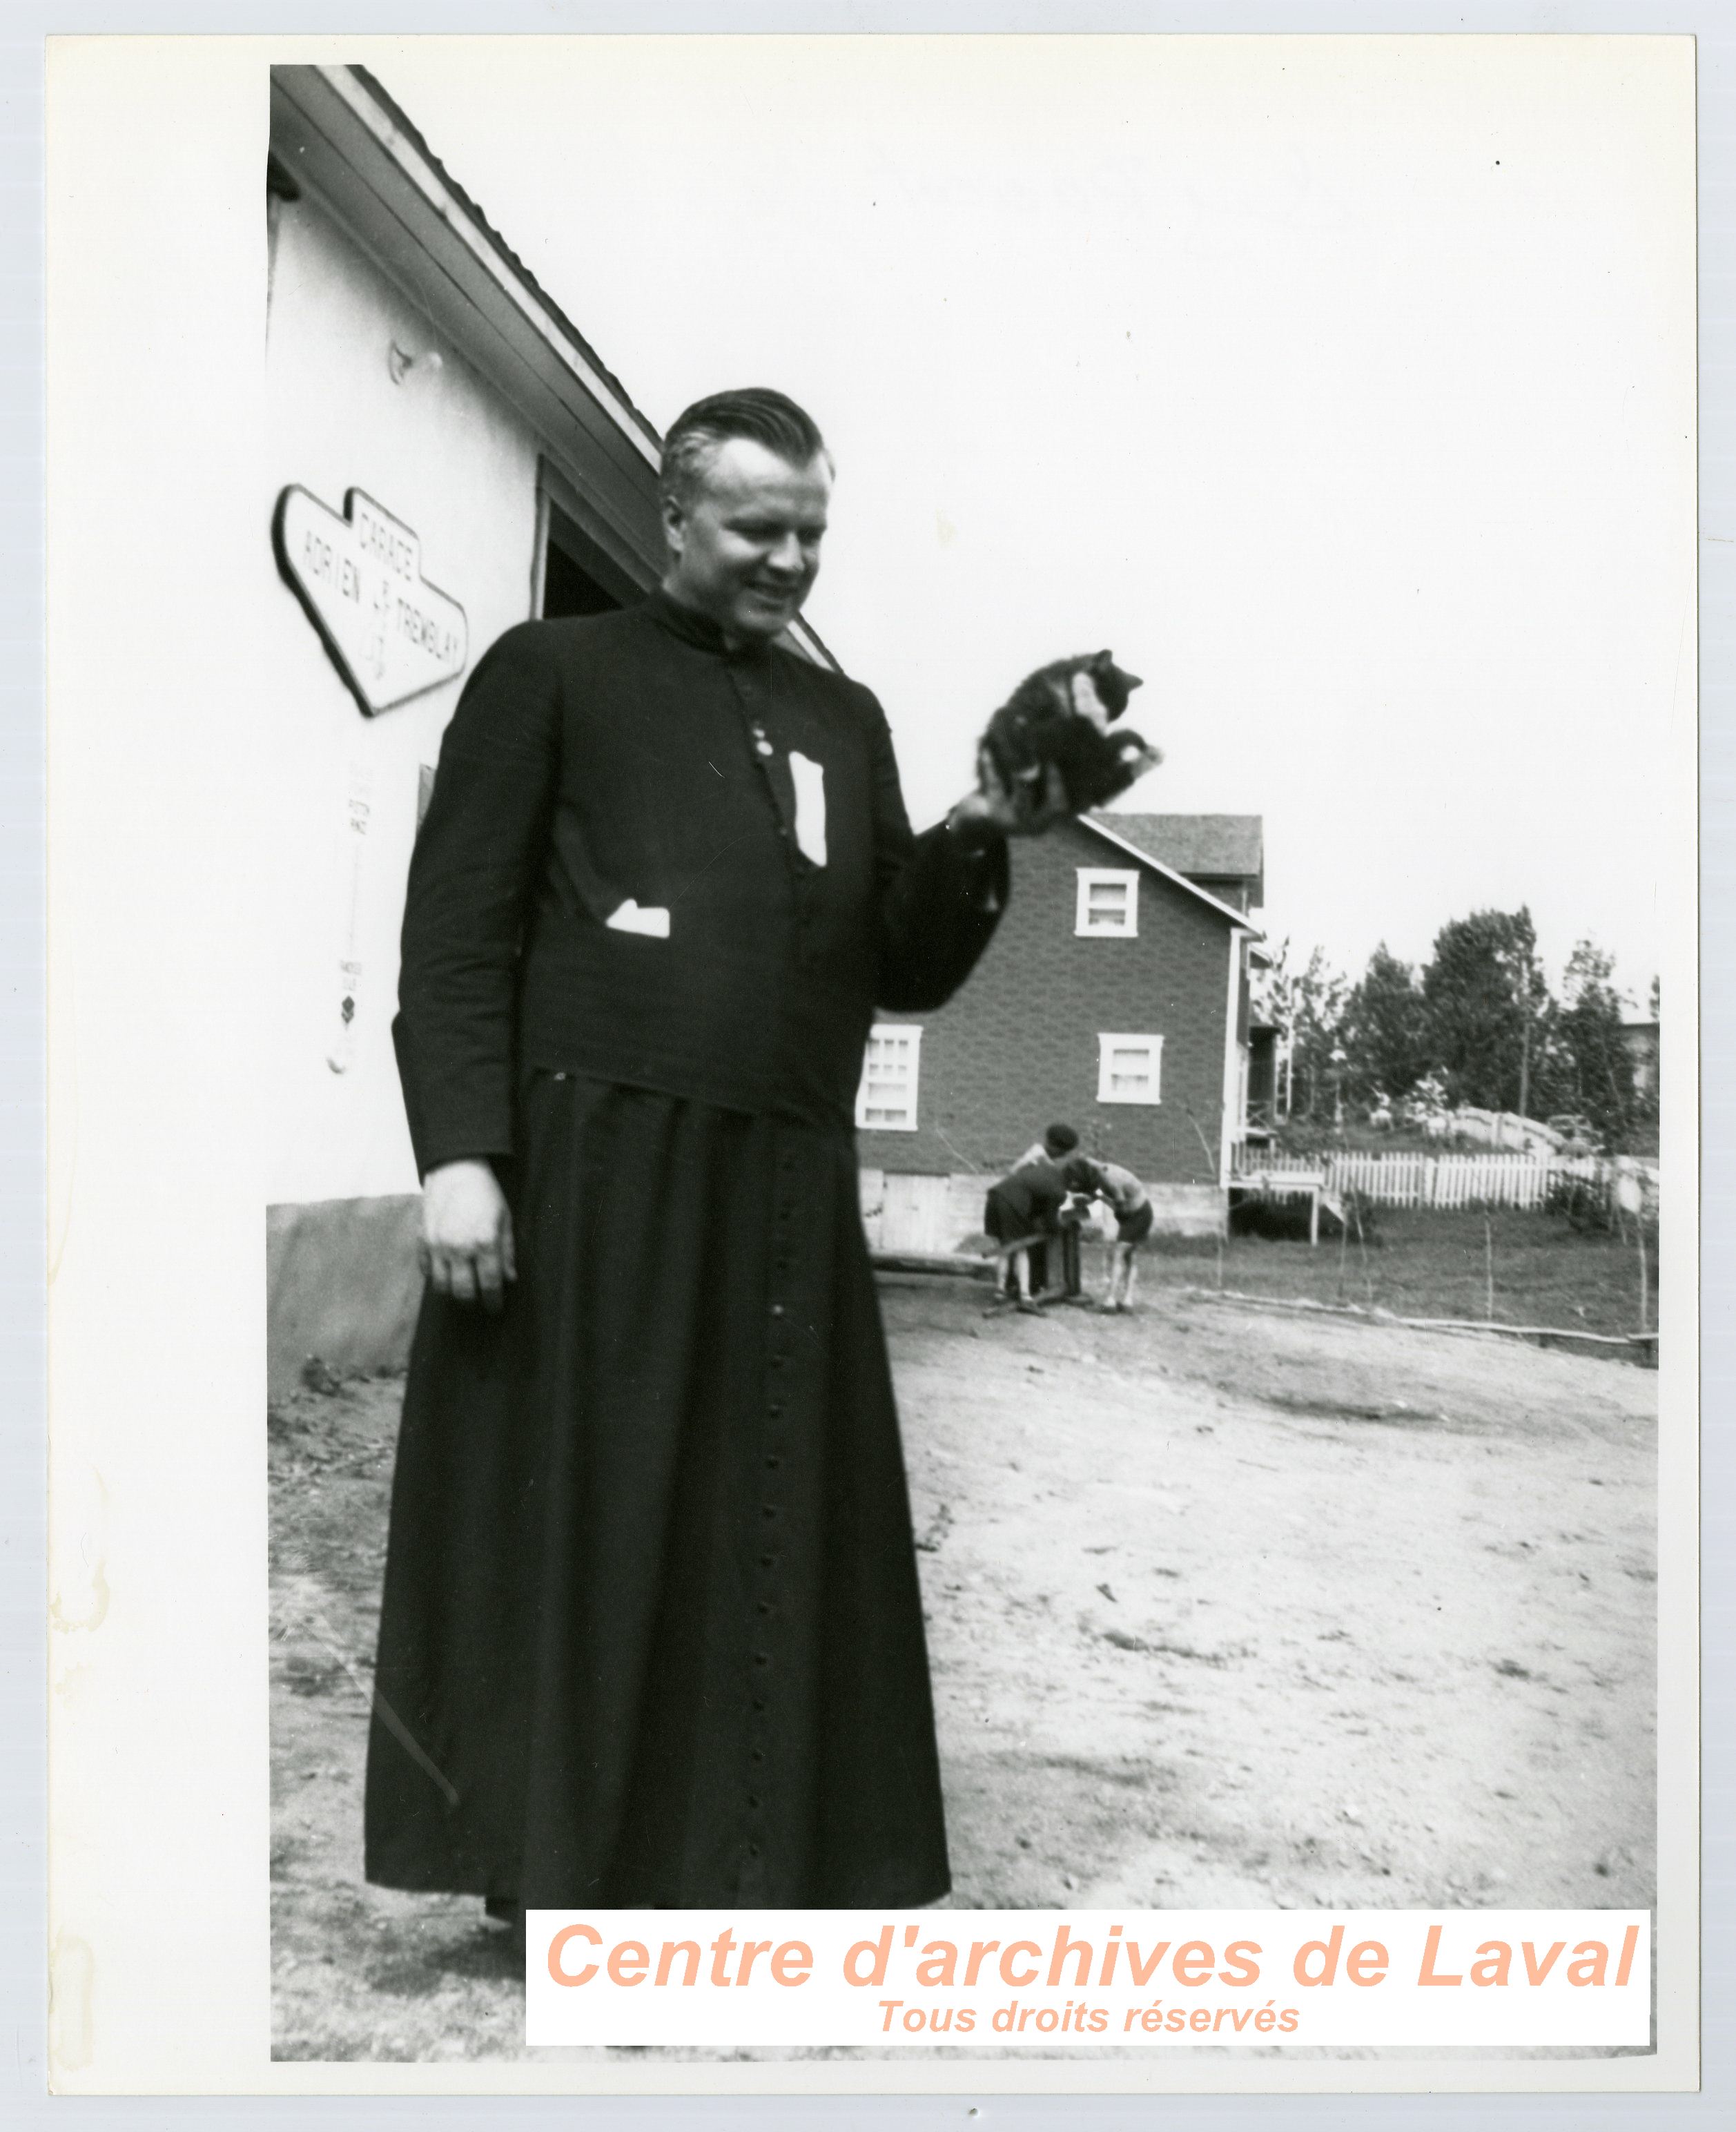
341 1282
912 1212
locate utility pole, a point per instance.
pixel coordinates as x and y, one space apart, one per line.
1525 977
1525 1058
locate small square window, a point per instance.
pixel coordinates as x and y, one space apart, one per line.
886 1100
1108 903
1129 1069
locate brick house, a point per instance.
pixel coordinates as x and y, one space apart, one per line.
1115 997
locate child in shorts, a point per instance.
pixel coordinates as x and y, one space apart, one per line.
1127 1200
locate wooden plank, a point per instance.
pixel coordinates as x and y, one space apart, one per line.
1422 1324
939 1262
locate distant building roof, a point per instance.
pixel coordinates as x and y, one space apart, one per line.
1205 847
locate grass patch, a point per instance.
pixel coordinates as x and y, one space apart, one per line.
1427 1263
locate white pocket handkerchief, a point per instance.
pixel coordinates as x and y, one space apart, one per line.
809 778
652 921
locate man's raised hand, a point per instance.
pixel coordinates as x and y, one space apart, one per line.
466 1250
1016 809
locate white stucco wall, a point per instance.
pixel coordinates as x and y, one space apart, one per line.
443 453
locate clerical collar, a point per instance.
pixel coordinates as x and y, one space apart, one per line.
693 627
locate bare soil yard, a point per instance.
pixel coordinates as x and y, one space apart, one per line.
1225 1608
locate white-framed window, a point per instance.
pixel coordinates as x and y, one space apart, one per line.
1108 903
886 1101
1129 1069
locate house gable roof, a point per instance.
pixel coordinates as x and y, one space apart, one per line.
1206 847
1109 828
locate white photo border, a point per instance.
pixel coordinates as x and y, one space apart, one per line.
1041 2089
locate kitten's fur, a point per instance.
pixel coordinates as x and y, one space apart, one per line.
1061 714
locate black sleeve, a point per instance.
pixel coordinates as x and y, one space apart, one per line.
476 858
940 895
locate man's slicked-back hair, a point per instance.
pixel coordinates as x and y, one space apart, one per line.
768 417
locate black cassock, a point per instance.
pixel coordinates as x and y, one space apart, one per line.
652 1633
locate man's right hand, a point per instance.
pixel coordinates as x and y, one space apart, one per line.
467 1248
1022 810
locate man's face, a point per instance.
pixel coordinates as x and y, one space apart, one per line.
745 540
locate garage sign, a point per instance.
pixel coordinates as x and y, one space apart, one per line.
390 633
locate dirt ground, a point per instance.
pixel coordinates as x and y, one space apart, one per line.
1225 1608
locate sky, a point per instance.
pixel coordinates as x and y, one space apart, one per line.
1342 387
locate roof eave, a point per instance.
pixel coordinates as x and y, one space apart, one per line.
376 174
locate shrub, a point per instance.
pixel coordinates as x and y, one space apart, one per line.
1285 1219
1587 1203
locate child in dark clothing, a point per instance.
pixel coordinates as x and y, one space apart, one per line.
1058 1142
1024 1205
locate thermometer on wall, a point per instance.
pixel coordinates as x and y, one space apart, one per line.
359 811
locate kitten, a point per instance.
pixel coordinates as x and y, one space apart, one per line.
1061 714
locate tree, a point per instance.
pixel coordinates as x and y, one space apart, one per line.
1386 1029
1308 1005
1594 1058
1488 1010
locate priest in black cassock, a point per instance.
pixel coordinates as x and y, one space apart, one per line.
652 1632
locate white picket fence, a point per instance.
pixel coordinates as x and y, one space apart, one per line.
1407 1178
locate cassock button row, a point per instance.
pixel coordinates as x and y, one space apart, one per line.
755 1755
753 1850
764 1605
761 1658
778 1310
753 1802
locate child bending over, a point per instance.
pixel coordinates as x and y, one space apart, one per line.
1021 1210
